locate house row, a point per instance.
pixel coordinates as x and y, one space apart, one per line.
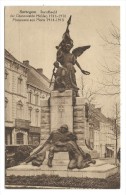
103 135
25 87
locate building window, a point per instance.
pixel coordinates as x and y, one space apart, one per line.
37 117
6 80
8 137
6 109
30 113
36 99
20 138
19 85
19 110
30 97
6 140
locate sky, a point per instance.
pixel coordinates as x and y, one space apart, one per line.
36 40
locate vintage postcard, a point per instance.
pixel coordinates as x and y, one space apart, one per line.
62 97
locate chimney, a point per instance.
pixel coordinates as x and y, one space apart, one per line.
40 70
26 62
99 109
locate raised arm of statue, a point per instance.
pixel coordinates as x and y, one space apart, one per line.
83 71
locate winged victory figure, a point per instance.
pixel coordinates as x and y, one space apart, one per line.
65 77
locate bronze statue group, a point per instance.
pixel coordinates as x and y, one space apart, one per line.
64 71
62 140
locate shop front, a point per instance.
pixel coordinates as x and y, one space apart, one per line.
34 136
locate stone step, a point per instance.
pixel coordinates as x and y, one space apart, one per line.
99 170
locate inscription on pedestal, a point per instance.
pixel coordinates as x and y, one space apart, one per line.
61 109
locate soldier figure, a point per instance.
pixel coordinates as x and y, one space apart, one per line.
61 140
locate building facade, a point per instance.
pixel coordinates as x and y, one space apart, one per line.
107 140
25 87
16 119
103 138
37 90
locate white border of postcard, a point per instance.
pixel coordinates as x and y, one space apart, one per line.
122 4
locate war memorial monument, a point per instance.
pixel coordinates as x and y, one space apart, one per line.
64 149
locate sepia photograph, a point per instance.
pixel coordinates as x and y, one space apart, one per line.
62 97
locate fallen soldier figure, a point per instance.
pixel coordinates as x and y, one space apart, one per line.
61 140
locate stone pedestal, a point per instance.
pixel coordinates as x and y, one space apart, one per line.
61 109
80 126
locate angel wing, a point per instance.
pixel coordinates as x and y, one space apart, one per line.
79 50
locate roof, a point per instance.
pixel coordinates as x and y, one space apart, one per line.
7 54
96 117
42 75
10 57
37 80
97 114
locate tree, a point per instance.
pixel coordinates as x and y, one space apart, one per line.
115 121
110 67
86 91
116 128
90 93
111 70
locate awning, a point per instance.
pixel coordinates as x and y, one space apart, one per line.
110 148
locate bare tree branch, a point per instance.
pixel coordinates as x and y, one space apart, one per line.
111 69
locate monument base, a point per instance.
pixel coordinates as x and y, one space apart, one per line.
99 170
